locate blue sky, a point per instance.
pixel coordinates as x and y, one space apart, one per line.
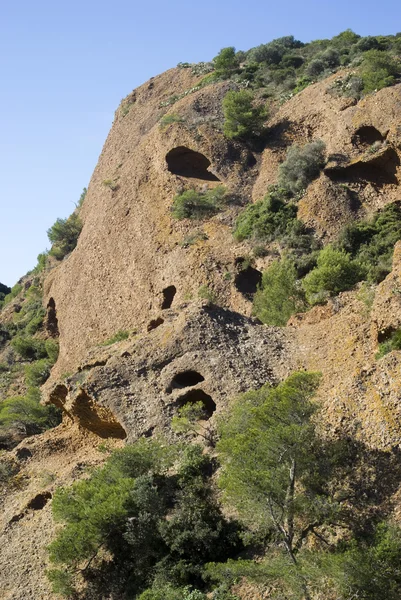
65 66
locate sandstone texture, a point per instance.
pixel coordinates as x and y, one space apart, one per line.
137 269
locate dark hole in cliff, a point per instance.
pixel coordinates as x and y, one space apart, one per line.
23 453
186 379
198 396
98 419
385 334
155 323
366 135
188 163
379 170
168 296
39 501
247 280
59 395
51 323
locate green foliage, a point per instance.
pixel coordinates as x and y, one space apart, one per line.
52 349
372 242
205 293
267 219
335 272
273 52
301 166
4 291
117 337
159 528
243 120
379 70
15 290
37 372
64 235
392 343
41 262
226 62
62 582
26 413
280 295
271 460
372 571
167 120
28 347
189 420
192 204
82 198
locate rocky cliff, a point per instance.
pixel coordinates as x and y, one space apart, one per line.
137 269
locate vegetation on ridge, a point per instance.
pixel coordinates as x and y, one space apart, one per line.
148 524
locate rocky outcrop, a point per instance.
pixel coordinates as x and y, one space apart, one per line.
138 385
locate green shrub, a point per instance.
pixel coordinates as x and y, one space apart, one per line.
41 262
192 204
4 291
267 219
117 337
64 235
205 293
27 414
167 120
243 120
15 290
280 295
315 68
273 52
371 568
52 349
29 348
378 70
82 198
334 273
159 528
226 62
37 373
372 241
393 343
301 166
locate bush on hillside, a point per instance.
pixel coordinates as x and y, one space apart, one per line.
27 414
4 291
267 219
158 528
226 62
29 348
335 272
193 204
243 120
301 166
64 235
392 343
379 69
372 241
280 295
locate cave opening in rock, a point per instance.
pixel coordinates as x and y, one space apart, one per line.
39 501
247 281
380 170
186 379
154 324
98 419
168 296
198 396
51 323
366 136
188 163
